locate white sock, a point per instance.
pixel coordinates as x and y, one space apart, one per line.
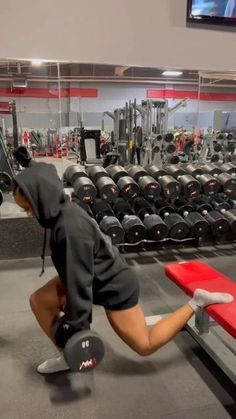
53 365
202 298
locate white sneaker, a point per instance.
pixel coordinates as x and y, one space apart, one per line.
53 365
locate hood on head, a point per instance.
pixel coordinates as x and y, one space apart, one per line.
44 190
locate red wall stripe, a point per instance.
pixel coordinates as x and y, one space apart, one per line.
48 93
182 94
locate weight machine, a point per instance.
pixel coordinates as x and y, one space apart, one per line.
217 147
151 116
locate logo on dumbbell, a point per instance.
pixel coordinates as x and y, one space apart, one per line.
85 344
88 364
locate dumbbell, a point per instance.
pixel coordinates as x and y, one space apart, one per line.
116 172
83 350
220 202
227 181
1 197
170 187
84 188
218 223
148 185
96 172
74 172
133 226
129 189
231 217
197 224
107 221
190 186
82 204
229 168
156 228
178 228
136 172
232 203
209 184
106 186
211 169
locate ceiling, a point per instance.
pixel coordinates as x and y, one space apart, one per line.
74 72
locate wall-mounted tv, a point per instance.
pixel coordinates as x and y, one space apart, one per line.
217 12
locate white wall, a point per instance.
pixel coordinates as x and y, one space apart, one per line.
144 33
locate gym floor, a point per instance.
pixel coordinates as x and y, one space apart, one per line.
178 382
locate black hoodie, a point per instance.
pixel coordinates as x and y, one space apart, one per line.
87 263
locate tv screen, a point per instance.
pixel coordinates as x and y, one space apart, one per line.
217 12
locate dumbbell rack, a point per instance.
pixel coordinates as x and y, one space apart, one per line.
126 178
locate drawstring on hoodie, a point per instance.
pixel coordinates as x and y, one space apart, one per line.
43 252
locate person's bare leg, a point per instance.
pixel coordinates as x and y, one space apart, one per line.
46 304
131 325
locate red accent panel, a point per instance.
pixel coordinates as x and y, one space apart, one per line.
48 93
192 275
182 94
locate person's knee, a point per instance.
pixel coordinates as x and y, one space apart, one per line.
143 349
144 352
36 301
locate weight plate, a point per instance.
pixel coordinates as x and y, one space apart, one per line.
177 226
169 137
134 229
112 227
85 189
217 148
84 351
170 149
215 158
174 160
156 228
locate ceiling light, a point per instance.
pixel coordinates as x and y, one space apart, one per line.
172 73
36 62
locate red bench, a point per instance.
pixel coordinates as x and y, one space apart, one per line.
192 275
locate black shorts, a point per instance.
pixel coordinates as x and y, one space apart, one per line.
120 293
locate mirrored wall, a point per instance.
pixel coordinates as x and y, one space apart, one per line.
74 112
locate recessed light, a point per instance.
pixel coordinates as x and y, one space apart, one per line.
172 73
36 62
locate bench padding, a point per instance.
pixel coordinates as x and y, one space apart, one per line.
192 275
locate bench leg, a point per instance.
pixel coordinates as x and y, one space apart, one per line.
202 322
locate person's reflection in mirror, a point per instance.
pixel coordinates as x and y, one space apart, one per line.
230 10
